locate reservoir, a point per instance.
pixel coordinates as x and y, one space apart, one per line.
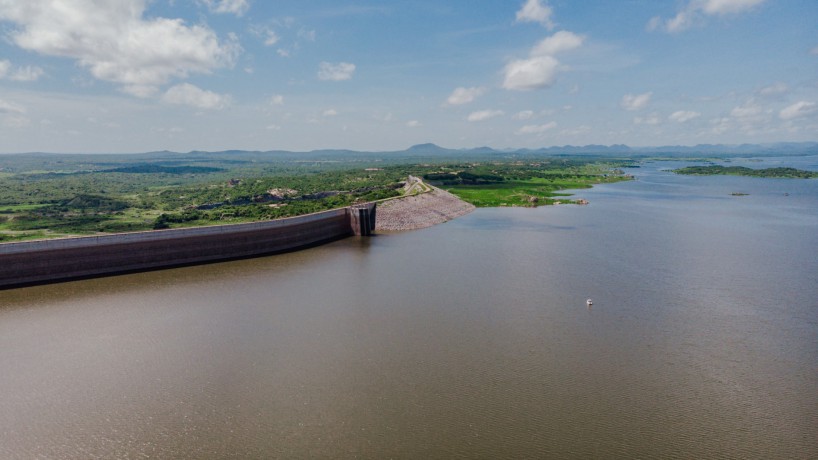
468 339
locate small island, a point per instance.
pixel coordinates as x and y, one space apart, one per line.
714 170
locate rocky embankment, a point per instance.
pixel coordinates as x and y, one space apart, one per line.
420 211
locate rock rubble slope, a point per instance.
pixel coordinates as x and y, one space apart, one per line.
420 211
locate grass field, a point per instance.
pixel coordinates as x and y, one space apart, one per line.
531 192
11 209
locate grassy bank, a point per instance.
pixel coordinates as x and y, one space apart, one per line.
529 185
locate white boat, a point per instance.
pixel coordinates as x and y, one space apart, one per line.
589 302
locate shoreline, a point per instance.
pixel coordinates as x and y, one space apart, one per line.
63 259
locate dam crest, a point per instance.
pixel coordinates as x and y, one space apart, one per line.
47 261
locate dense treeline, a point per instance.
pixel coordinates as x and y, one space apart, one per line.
743 171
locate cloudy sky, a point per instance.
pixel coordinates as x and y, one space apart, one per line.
143 75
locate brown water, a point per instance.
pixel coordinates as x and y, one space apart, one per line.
470 339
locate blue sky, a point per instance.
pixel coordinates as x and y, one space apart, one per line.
138 75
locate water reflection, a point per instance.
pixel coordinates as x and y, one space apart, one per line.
469 339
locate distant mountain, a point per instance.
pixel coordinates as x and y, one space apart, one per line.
334 152
428 148
779 148
430 151
483 149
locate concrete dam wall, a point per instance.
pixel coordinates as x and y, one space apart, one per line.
38 262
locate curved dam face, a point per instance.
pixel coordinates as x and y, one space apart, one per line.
46 261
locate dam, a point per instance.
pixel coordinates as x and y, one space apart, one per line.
46 261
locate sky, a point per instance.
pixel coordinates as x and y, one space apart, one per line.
146 75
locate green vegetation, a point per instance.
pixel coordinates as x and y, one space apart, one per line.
153 169
711 170
49 195
525 184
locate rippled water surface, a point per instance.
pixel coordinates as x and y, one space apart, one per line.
469 339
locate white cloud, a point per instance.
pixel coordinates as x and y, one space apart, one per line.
635 101
115 43
695 11
273 128
413 123
11 108
27 73
557 43
270 37
462 95
775 89
336 72
720 125
528 74
142 91
535 11
277 100
729 6
683 20
15 121
329 113
537 129
483 115
541 68
187 94
750 109
814 51
683 116
285 34
13 115
751 118
653 119
308 35
653 24
582 129
524 115
798 110
237 7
